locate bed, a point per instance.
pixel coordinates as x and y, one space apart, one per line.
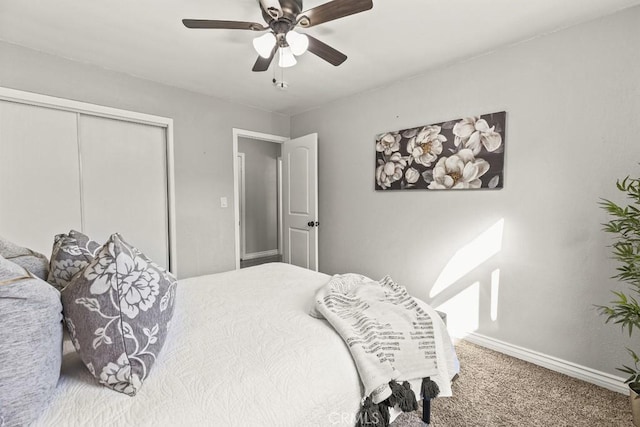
242 351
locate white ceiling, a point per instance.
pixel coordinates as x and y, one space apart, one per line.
395 40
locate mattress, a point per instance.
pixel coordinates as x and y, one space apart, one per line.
241 351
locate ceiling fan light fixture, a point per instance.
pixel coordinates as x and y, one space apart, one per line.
299 43
286 58
283 16
264 44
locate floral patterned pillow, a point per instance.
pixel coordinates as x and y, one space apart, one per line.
118 311
71 253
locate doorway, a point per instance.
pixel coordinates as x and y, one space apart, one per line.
258 201
298 223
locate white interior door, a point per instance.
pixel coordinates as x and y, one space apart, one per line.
300 199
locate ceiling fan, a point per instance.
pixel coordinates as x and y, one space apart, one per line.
282 17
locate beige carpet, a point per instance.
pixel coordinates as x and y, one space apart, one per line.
498 390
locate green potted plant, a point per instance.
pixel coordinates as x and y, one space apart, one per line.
624 309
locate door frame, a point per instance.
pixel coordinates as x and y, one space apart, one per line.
241 206
280 211
237 133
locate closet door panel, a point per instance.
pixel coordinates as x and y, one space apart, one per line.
39 174
124 185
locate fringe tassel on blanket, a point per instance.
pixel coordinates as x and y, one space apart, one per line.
371 414
384 412
429 389
377 415
409 402
397 394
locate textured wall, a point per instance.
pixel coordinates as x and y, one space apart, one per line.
573 102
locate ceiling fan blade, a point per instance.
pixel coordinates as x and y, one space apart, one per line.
228 25
325 51
333 10
262 64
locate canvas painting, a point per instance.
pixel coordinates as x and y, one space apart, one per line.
458 154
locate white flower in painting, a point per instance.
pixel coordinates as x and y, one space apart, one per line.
118 376
426 146
412 175
388 143
91 369
390 171
65 269
474 133
139 284
410 133
461 170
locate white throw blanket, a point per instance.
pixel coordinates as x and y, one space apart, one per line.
390 334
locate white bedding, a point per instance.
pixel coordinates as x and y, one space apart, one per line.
242 351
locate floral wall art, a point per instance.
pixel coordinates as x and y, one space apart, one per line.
459 154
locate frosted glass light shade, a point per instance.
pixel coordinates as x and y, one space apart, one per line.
286 58
298 42
264 44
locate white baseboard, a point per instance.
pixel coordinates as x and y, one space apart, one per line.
602 379
254 255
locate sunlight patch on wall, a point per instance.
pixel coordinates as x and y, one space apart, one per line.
495 287
463 311
470 257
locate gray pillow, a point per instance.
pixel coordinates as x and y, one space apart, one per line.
31 344
118 311
11 250
34 262
71 253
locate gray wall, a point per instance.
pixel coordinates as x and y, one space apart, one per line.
261 194
202 142
573 102
573 119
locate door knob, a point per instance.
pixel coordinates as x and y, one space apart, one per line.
311 224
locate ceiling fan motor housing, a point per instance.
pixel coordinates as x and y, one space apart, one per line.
284 22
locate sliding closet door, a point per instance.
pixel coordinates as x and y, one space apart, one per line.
39 174
124 183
